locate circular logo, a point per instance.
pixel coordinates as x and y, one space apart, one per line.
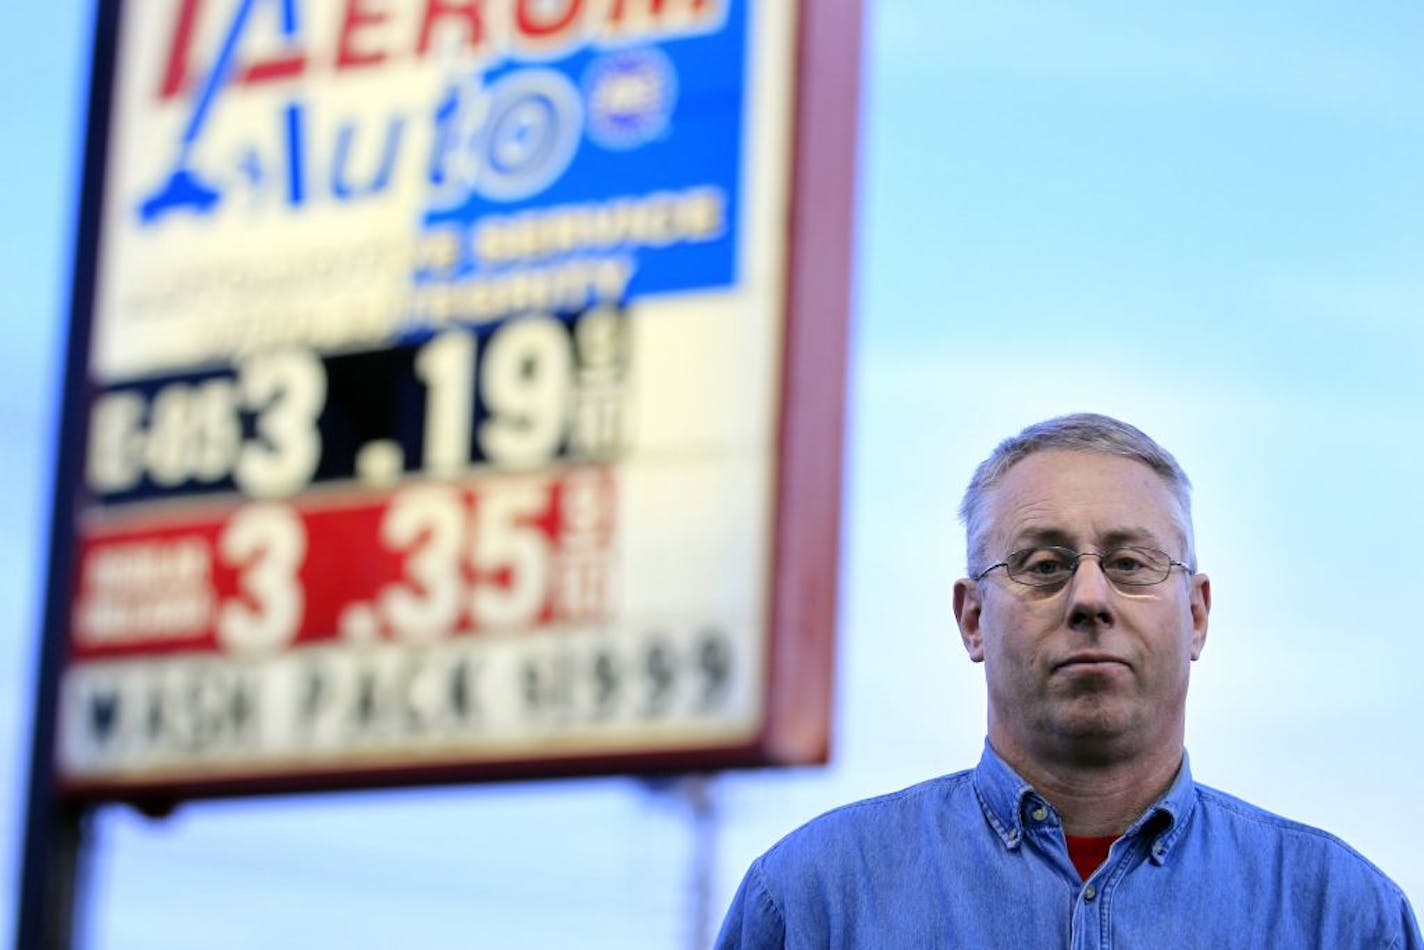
505 141
530 135
630 97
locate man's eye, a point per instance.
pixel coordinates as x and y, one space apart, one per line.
1046 566
1125 563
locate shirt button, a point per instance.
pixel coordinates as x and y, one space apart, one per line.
1039 814
1089 892
1013 835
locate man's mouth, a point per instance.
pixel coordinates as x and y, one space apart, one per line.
1090 661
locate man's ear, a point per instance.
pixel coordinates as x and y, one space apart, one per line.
967 608
1200 607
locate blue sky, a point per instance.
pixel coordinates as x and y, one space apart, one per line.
1203 218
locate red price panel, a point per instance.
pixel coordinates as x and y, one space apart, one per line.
456 403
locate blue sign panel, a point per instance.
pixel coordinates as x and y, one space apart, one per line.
633 150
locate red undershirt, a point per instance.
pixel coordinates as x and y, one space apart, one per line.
1088 853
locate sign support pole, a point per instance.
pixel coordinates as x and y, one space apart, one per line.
54 857
54 848
697 792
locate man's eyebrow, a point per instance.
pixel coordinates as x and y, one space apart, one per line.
1123 536
1050 536
1060 538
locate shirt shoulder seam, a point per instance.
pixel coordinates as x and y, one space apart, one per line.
943 783
1254 813
947 782
759 870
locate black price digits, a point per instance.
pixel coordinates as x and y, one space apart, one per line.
659 676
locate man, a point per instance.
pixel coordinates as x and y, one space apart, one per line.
1081 825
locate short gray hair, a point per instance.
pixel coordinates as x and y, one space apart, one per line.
1080 432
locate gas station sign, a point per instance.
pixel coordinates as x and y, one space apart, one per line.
462 395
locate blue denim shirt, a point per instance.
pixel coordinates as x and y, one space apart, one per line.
978 859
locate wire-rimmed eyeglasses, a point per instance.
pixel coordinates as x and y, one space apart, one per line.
1051 566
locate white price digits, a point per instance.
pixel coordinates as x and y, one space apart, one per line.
525 380
267 544
424 523
287 390
443 543
502 537
446 365
526 387
193 431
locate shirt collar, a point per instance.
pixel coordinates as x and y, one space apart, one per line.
1009 803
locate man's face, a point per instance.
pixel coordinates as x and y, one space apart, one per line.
1084 669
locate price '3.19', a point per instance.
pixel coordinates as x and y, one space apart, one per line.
514 396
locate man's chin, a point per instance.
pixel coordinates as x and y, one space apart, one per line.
1094 720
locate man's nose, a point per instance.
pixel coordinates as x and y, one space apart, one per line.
1090 594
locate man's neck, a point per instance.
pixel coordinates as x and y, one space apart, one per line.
1097 796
